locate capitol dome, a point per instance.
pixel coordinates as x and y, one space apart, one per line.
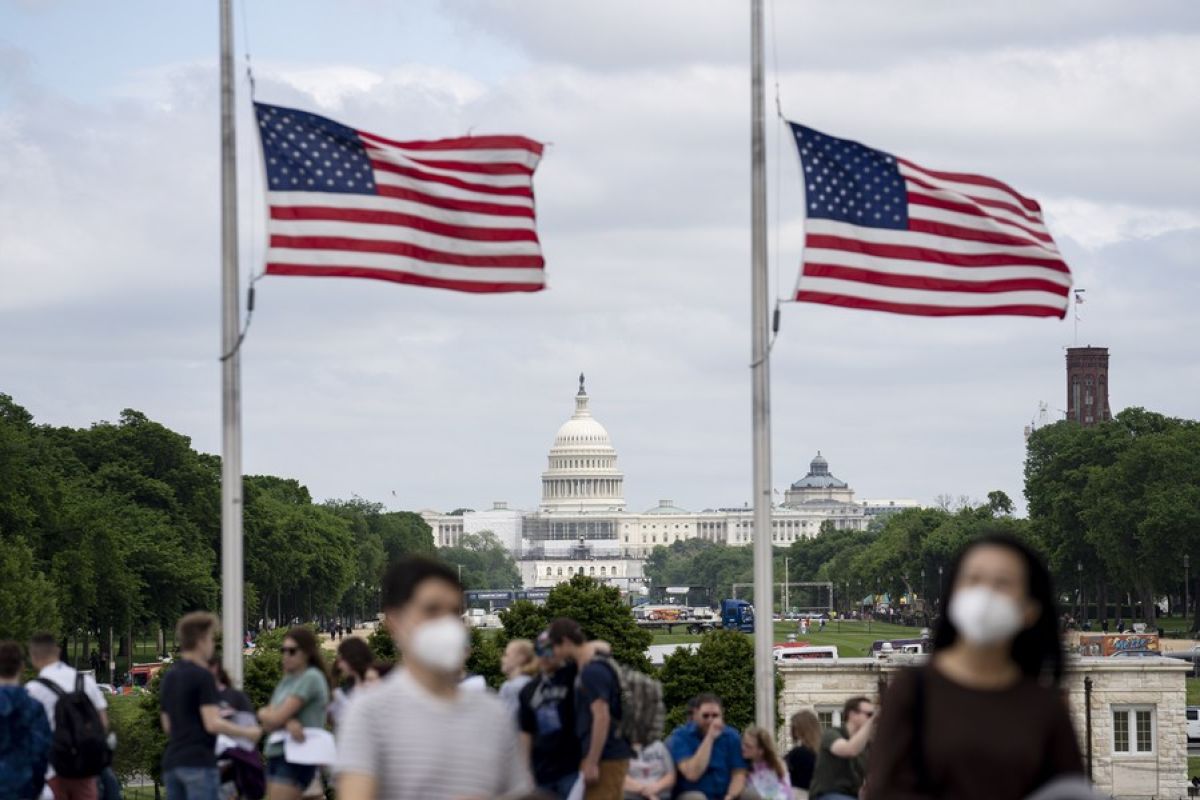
582 474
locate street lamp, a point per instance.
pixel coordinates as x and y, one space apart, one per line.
1082 605
1186 588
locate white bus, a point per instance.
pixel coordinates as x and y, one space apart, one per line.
790 654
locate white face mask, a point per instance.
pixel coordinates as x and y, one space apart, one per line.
983 616
440 645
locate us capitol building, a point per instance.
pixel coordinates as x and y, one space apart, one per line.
582 525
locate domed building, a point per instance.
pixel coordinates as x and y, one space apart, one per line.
818 486
582 526
582 474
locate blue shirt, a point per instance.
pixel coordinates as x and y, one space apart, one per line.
726 757
24 743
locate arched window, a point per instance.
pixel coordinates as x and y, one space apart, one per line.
602 572
591 570
560 572
549 571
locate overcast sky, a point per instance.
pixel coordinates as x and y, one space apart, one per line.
109 263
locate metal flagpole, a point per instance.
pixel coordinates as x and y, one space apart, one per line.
232 613
764 627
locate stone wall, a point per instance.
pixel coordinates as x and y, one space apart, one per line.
1153 684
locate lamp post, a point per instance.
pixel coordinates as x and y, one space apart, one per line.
1082 606
924 599
1186 587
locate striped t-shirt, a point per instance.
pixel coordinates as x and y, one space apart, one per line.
421 747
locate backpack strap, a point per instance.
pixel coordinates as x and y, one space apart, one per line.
79 682
54 687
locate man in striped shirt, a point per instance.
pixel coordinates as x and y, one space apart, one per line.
418 736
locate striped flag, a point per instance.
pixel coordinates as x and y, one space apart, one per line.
884 234
448 213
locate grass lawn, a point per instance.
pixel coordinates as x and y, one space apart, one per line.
1193 766
1193 691
852 638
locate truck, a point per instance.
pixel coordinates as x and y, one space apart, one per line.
737 615
1118 644
883 649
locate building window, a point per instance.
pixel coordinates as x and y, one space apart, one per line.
560 572
829 716
591 570
1133 730
602 571
549 571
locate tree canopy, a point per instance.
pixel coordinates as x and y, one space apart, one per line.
1118 502
486 563
597 608
116 527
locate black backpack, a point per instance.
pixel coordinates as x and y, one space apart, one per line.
79 748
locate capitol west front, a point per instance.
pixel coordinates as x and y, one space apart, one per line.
583 527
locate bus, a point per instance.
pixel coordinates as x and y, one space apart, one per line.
788 655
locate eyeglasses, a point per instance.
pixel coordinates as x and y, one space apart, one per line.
290 651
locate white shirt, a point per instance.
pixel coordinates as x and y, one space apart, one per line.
419 746
63 675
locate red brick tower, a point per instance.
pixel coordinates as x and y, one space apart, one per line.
1087 385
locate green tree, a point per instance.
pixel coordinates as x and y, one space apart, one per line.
486 563
1001 504
723 664
600 612
382 645
484 659
263 669
1118 500
697 562
523 620
27 598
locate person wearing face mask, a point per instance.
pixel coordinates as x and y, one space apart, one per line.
420 737
985 717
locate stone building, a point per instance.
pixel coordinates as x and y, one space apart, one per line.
582 524
1138 719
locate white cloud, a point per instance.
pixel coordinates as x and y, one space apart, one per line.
108 230
1096 225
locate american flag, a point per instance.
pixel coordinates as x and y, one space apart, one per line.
448 213
884 234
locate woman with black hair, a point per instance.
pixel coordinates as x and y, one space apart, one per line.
355 664
985 717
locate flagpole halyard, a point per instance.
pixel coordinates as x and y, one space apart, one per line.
232 587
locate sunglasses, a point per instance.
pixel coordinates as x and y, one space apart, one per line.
290 651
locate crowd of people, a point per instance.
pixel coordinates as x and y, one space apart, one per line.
561 725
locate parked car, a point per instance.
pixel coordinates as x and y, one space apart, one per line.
107 688
1193 723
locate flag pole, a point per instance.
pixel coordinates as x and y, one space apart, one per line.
232 588
764 627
